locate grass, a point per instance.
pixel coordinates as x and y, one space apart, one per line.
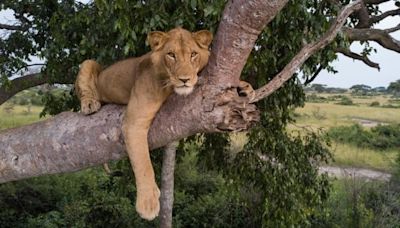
326 115
351 156
18 116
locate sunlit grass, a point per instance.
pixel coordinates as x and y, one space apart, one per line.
18 116
326 115
352 156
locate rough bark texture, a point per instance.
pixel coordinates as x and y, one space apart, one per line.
167 185
65 143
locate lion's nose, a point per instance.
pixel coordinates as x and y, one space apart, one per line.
184 80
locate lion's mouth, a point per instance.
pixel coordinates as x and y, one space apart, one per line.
183 90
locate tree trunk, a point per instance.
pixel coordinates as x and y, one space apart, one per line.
167 185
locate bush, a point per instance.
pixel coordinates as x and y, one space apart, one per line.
358 203
374 104
313 98
379 137
345 101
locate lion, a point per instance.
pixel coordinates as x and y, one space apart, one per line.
143 84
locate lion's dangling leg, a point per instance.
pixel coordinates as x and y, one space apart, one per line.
85 87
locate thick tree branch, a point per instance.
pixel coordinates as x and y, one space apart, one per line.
363 16
356 56
247 18
382 37
306 52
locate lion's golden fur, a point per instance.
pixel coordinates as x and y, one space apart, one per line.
144 83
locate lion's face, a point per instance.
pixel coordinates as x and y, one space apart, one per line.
182 54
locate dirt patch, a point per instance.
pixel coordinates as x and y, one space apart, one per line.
355 173
368 123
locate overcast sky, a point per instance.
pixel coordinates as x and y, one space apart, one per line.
351 72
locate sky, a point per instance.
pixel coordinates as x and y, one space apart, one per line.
351 71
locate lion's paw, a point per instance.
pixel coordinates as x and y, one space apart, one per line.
147 202
246 90
89 106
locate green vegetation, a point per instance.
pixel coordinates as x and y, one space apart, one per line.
357 203
381 137
16 115
345 101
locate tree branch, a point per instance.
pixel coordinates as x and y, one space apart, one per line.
356 56
382 37
26 82
384 15
12 27
394 29
306 52
247 19
375 2
312 78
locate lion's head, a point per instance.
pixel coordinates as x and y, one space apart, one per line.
180 54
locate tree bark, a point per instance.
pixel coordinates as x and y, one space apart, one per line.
167 185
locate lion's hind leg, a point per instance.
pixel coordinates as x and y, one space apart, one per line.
85 87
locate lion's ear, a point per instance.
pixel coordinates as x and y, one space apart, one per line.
156 39
203 38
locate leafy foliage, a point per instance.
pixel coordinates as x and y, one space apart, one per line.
379 137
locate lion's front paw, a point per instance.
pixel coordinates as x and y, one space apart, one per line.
246 90
147 202
89 106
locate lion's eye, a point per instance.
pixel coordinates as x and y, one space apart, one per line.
194 54
171 54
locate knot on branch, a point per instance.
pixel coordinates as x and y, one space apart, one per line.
238 113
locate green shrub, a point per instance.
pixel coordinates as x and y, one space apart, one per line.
345 101
374 104
379 137
314 98
358 203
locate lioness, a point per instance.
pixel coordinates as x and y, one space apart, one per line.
143 84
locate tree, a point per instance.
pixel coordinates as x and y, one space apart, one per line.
360 89
394 88
318 87
65 33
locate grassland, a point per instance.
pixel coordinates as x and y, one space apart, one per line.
18 115
329 114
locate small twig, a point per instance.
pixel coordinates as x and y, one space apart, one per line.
167 185
12 27
307 51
